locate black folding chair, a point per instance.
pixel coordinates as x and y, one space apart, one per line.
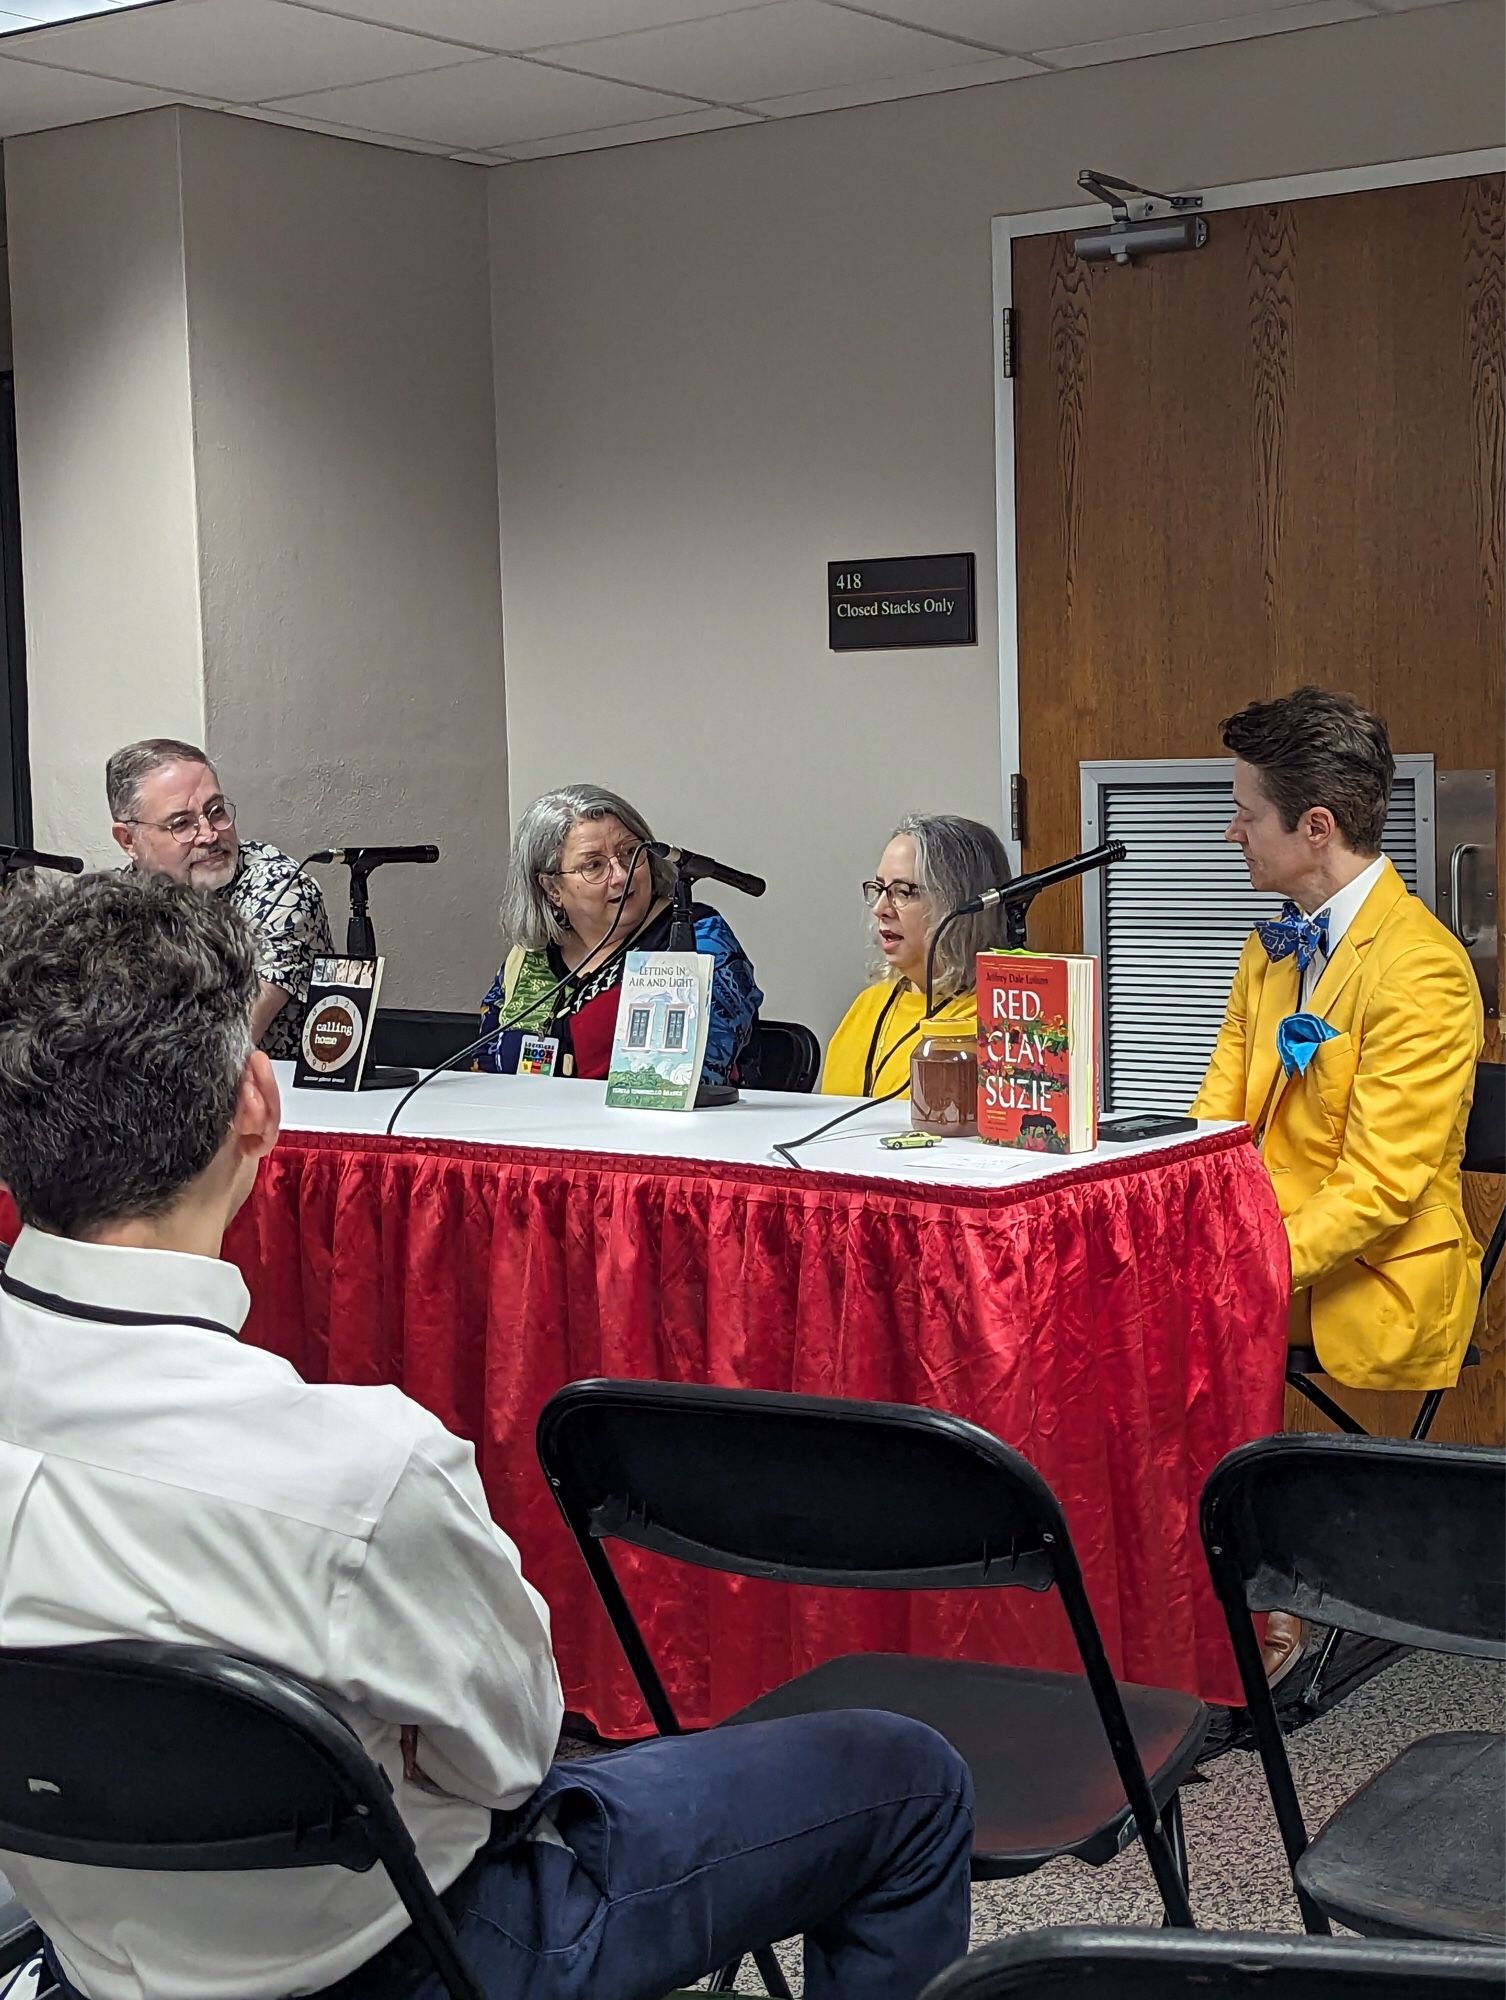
421 1037
129 1754
783 1055
1403 1542
1210 1965
881 1496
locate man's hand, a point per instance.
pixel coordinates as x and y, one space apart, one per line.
269 1003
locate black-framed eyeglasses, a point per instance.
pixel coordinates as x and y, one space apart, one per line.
899 893
218 816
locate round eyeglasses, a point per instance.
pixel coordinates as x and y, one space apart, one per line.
218 816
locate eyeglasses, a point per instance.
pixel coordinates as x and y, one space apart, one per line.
595 871
218 816
899 893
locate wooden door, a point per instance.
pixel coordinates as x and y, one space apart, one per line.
1274 460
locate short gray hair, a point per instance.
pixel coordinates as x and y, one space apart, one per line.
955 860
125 1030
538 846
128 768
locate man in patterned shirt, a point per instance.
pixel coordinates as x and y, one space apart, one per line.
172 818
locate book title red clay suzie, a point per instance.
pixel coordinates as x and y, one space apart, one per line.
1024 1053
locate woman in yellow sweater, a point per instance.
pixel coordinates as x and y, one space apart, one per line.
933 862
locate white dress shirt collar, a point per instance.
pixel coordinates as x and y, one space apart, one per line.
1345 904
168 1282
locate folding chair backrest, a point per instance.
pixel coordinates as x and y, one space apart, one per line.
1205 1965
174 1758
1485 1135
1400 1541
134 1755
801 1489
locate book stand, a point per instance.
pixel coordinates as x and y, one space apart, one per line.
682 938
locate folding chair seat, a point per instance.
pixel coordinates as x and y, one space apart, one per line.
1403 1542
1211 1965
862 1495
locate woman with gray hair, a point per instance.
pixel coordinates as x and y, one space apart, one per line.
582 892
933 862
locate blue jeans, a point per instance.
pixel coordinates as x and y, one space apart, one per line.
853 1829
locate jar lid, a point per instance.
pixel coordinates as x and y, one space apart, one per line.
953 1030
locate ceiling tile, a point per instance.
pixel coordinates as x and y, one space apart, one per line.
11 24
844 96
487 104
712 119
1246 27
33 99
765 51
509 25
239 50
1024 26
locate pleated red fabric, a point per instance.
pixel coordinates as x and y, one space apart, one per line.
1123 1326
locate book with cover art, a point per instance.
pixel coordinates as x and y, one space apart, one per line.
1038 1051
337 1023
663 1013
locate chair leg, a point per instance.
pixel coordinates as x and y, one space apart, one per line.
769 1972
1312 1694
1176 1840
1426 1415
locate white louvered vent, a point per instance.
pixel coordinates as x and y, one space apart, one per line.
1171 919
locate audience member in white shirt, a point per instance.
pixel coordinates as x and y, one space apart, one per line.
159 1479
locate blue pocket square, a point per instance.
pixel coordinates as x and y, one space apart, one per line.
1298 1040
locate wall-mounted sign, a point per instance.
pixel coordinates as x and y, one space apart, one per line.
901 601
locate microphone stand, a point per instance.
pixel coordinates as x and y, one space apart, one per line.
360 942
682 938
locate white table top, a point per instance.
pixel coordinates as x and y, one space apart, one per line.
571 1115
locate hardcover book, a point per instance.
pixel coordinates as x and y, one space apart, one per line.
662 1019
337 1023
1038 1051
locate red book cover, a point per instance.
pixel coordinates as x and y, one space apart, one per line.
1037 1080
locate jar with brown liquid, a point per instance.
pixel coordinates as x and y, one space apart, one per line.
944 1080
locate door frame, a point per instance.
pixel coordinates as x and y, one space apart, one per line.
1047 221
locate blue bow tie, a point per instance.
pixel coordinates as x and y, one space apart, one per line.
1306 936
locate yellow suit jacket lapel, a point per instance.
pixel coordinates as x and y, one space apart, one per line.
1345 963
1279 988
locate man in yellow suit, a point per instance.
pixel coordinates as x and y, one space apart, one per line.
1349 1046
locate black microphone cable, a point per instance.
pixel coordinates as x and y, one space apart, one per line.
529 1006
787 1148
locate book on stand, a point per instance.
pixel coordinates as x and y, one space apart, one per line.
1038 1051
337 1023
663 1014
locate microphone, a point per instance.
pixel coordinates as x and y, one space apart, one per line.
12 858
374 857
1024 887
701 868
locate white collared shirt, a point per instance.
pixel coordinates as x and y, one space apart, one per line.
1342 907
167 1482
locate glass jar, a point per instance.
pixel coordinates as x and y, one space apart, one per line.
944 1080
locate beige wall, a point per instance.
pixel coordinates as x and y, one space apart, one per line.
258 470
104 431
339 334
724 360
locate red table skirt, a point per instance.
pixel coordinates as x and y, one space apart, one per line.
1123 1327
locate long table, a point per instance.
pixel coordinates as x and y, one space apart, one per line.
1119 1318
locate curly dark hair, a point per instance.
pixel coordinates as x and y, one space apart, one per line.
1313 748
125 1028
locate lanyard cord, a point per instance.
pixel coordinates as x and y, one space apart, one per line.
870 1074
103 1315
